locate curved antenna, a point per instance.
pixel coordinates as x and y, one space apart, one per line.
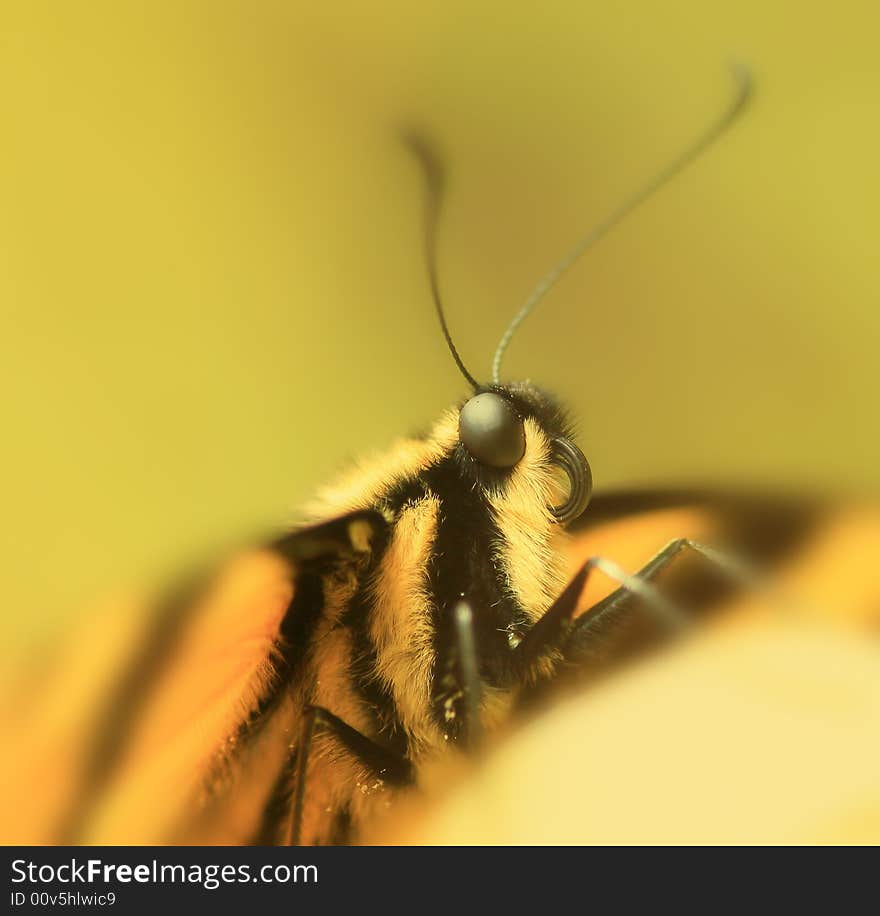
434 185
743 93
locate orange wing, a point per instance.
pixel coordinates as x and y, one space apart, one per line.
90 765
114 740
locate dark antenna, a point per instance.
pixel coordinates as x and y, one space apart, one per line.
434 184
707 138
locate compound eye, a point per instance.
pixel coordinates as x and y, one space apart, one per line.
492 431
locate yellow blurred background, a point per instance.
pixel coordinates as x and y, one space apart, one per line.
211 273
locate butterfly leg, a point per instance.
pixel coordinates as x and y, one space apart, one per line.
585 629
384 764
558 629
468 672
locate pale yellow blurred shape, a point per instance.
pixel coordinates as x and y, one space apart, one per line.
764 735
